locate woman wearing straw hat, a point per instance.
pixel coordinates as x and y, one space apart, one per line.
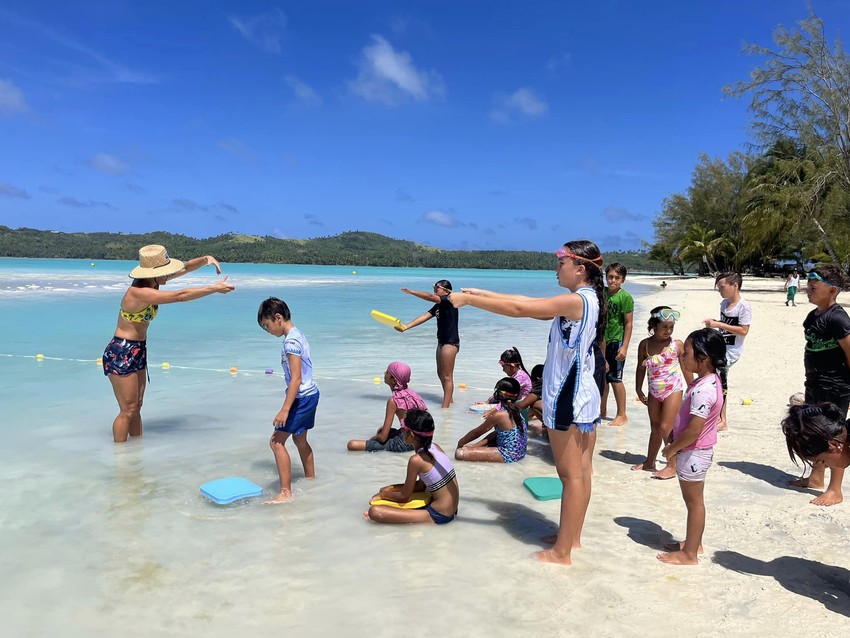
125 358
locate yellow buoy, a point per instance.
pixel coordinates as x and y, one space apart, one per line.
166 365
747 402
99 362
353 272
39 357
234 370
377 379
92 263
462 386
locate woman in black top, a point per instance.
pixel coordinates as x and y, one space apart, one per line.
448 339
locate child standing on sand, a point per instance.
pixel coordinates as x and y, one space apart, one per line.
735 318
298 413
658 355
618 333
403 399
429 468
695 434
827 363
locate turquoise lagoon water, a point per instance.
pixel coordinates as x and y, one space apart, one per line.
101 538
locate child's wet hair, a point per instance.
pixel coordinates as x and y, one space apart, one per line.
808 429
590 257
708 344
444 283
271 307
507 394
618 268
654 319
537 372
512 355
732 278
420 421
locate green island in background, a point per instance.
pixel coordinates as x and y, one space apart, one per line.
354 248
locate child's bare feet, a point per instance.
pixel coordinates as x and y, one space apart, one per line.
662 475
284 496
549 556
619 421
644 466
807 482
680 545
830 497
677 558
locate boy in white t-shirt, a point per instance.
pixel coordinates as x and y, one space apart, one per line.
734 324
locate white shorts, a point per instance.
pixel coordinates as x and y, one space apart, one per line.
692 465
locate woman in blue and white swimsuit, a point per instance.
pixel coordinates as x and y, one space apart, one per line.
125 357
507 440
571 397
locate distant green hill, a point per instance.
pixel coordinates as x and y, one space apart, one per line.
354 248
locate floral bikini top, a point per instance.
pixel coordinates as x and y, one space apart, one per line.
142 316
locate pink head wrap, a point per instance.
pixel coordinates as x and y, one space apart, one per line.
405 398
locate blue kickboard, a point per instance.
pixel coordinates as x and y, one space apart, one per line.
227 490
544 488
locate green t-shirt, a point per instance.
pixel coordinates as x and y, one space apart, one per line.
619 305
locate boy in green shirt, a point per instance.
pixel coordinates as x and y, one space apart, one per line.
618 333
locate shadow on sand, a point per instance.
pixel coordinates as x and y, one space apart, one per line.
645 532
827 584
623 457
768 474
521 522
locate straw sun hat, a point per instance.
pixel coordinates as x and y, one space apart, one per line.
154 262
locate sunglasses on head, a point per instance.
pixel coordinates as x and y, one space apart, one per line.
817 277
667 314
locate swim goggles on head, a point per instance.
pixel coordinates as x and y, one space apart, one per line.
666 314
511 395
817 277
562 253
417 432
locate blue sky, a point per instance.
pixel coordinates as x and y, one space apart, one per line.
463 124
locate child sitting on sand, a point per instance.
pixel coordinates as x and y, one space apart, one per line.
695 434
508 440
397 376
659 355
512 366
429 468
298 413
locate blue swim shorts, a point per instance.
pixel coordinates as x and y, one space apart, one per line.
302 415
439 519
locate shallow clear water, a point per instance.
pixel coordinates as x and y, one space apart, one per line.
97 537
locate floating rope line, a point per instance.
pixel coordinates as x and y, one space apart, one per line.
165 366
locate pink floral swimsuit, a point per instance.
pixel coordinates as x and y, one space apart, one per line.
665 373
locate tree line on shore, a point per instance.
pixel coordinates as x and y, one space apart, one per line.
788 197
354 248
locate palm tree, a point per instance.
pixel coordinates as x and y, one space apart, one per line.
701 244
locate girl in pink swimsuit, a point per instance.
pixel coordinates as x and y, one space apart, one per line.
658 358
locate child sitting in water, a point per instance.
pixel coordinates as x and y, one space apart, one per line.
429 468
659 355
512 366
695 434
397 376
508 441
533 401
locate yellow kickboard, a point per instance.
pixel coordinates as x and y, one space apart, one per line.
386 319
417 500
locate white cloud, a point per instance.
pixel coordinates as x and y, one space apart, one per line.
13 191
441 218
11 99
264 30
109 165
236 147
389 76
304 93
521 103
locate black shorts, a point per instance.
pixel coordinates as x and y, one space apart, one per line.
816 394
395 443
615 368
